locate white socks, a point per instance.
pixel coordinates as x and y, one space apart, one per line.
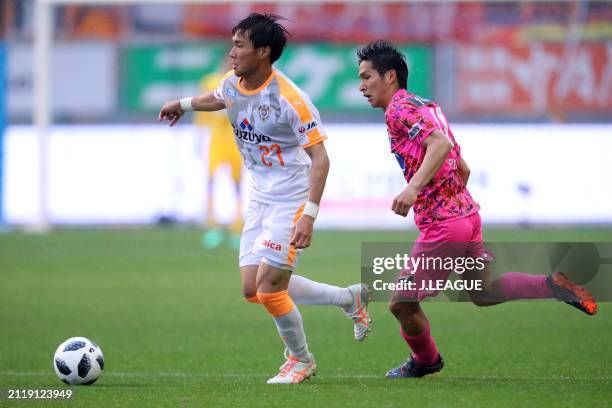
291 329
304 291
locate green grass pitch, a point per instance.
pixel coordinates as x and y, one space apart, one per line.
175 332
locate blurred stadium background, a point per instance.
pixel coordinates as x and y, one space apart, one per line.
527 87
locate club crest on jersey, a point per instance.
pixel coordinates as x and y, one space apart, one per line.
264 112
231 92
246 125
414 131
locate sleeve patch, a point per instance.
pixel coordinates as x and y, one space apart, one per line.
414 131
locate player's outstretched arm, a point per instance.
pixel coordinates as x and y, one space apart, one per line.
437 146
174 110
302 234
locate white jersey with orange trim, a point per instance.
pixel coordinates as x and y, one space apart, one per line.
272 126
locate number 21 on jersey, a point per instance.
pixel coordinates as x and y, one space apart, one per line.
266 153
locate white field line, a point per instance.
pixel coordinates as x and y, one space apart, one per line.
329 375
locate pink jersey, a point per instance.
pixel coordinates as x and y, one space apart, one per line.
410 119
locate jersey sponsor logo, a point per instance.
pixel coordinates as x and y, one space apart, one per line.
311 125
272 245
246 125
264 112
231 92
414 131
251 137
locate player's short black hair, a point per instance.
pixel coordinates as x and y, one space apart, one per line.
384 57
264 31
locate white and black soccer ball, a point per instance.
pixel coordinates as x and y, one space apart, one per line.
78 361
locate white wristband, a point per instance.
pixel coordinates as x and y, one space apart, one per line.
311 209
186 104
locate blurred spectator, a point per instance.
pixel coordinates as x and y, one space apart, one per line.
93 22
157 18
208 20
16 18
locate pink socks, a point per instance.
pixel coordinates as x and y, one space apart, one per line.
423 346
516 285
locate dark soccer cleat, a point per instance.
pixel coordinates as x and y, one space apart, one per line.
567 291
411 369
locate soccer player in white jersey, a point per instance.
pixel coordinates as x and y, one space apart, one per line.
280 137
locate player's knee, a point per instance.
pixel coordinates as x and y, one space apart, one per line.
393 308
250 296
271 278
268 281
400 310
249 291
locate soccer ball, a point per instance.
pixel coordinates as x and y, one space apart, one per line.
78 361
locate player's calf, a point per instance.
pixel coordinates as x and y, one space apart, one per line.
408 313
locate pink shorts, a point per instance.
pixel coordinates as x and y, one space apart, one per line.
461 237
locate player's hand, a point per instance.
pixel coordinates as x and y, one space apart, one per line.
302 232
405 200
171 111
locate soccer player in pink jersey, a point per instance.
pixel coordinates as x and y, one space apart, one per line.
444 211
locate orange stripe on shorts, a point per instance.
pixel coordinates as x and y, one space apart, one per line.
292 250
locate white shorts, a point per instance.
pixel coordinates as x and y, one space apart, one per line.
267 235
